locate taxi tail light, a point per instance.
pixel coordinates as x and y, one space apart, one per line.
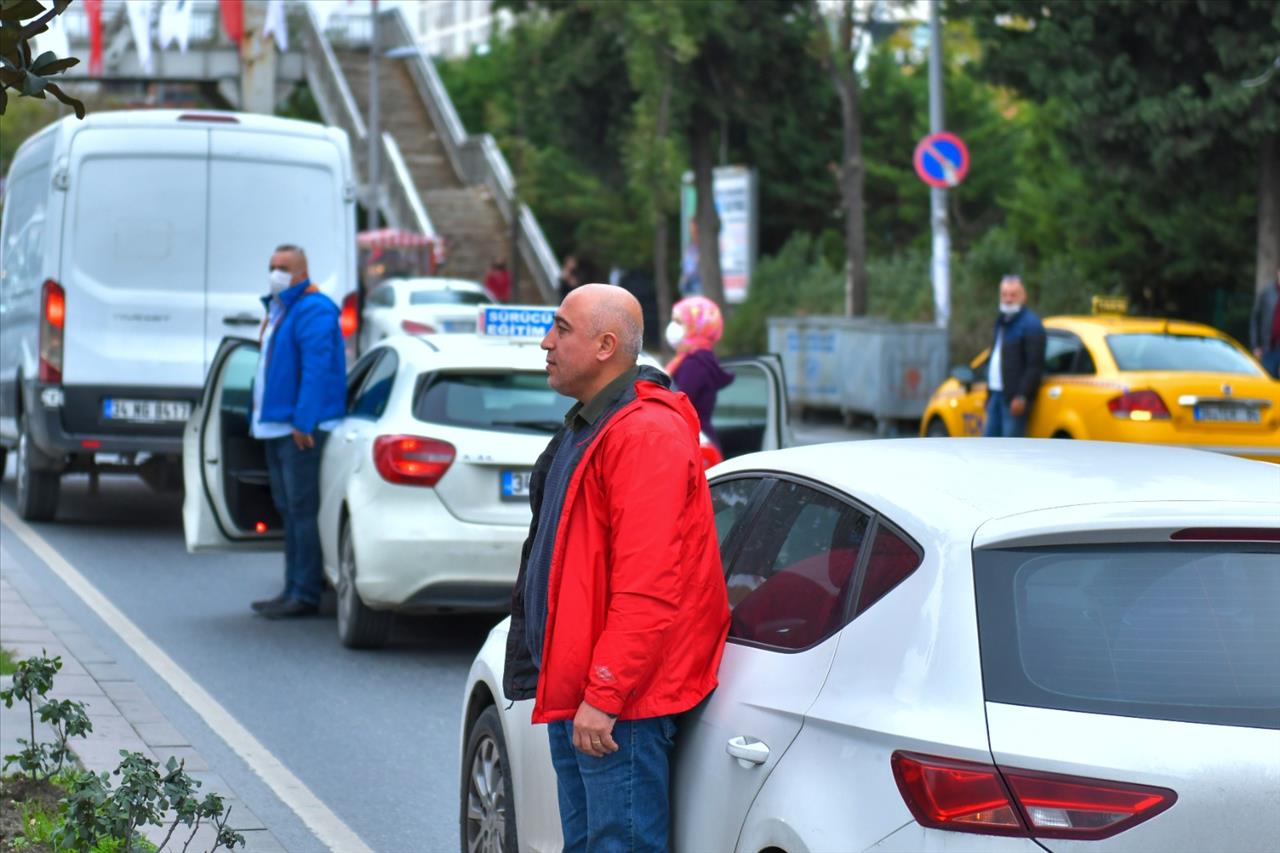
412 460
968 796
412 328
1143 405
349 319
53 320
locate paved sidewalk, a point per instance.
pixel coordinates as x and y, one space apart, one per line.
122 714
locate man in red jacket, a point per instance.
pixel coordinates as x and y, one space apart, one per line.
619 613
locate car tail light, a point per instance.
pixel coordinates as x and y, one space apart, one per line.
349 320
412 328
1138 406
53 320
215 117
711 455
1226 534
412 460
968 796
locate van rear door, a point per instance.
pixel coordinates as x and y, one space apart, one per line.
268 189
133 262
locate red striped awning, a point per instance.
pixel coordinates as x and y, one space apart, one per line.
392 238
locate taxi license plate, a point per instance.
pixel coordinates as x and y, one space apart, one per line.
1228 414
515 485
146 411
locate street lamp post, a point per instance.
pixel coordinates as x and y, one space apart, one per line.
375 130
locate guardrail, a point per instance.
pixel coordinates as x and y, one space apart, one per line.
403 199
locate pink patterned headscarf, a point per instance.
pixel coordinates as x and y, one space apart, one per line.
703 325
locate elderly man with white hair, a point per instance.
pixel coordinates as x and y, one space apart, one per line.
1016 363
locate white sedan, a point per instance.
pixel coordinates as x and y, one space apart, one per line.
424 483
421 306
1001 645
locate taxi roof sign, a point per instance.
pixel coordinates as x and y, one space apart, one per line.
524 322
1110 305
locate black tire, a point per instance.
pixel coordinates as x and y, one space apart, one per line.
1063 434
38 488
4 458
937 429
359 627
487 814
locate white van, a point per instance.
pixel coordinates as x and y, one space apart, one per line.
131 244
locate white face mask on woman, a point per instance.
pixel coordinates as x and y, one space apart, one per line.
675 333
279 281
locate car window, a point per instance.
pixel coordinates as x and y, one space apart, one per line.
448 297
891 560
730 500
371 400
383 297
741 414
1178 353
356 375
1066 354
1173 632
503 402
788 582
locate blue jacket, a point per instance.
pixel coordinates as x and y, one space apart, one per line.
306 362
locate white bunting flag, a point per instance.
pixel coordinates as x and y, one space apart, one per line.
139 12
276 25
175 23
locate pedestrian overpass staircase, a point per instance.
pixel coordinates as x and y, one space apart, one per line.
435 177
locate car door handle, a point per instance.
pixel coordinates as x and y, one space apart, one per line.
241 320
748 750
1055 392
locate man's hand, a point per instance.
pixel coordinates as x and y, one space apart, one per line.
303 440
1018 406
593 732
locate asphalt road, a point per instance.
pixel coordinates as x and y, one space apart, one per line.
373 734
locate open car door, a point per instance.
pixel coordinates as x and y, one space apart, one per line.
228 504
751 413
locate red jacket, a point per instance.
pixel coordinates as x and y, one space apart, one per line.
637 611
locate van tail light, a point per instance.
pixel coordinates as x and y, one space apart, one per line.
349 320
1226 534
1138 406
711 455
412 460
53 320
968 796
412 328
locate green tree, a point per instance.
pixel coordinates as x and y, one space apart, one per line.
1168 181
20 68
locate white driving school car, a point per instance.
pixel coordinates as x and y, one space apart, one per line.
996 645
424 484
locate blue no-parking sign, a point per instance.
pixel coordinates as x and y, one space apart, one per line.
942 160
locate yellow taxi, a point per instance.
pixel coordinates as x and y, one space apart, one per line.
1114 378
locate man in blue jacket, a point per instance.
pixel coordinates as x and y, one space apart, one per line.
298 397
1016 363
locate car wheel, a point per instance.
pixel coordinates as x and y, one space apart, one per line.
937 429
1062 433
359 627
37 489
4 459
488 820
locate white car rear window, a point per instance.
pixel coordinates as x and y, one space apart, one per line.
505 402
1175 632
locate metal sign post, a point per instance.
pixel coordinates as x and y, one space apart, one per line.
938 195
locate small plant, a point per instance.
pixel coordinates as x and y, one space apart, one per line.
143 797
32 680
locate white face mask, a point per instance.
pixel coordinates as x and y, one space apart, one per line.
1009 308
279 281
675 333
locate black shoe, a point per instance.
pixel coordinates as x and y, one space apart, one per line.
290 608
267 603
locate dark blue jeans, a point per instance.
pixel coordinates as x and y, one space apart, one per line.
1000 423
621 802
295 490
1271 362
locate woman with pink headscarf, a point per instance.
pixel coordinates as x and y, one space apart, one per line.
696 324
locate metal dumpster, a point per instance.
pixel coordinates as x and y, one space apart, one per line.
860 365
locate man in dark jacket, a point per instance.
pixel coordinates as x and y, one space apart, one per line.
1016 363
1264 328
298 397
619 613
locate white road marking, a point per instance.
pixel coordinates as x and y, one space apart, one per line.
317 817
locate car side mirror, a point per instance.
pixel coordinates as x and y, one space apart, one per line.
964 375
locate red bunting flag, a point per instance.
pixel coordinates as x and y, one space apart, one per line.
93 8
233 19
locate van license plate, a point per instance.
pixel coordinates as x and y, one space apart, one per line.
146 411
1228 413
515 485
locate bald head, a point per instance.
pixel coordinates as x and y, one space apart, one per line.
597 334
612 309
